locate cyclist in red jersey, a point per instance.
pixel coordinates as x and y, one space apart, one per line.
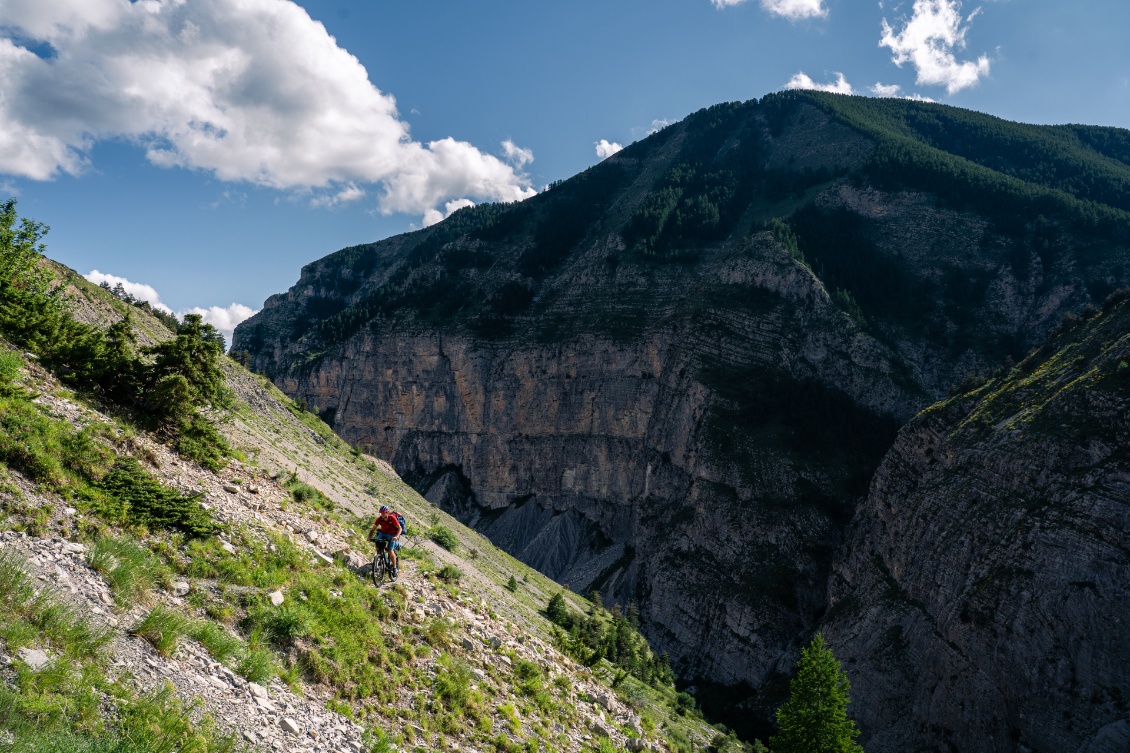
387 528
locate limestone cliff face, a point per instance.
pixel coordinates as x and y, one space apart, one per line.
983 598
671 378
614 465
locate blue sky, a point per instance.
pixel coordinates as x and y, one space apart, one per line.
210 148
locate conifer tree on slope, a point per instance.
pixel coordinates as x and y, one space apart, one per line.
814 719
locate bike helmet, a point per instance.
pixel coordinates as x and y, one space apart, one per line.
384 508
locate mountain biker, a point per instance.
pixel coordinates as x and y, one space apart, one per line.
389 530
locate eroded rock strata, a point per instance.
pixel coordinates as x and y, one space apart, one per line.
671 377
982 600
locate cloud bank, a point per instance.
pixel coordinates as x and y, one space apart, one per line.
928 41
249 90
224 319
791 9
802 80
138 290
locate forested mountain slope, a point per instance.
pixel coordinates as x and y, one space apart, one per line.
671 377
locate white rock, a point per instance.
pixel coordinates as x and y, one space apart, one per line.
257 690
276 598
230 489
289 725
227 547
311 535
33 657
181 588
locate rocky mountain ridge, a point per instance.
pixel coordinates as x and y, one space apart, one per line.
671 377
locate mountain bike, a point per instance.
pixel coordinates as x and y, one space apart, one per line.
382 565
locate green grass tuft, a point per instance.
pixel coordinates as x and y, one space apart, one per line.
162 628
221 645
131 570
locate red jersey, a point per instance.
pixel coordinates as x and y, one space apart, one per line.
387 523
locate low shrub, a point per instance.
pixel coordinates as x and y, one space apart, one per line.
145 501
449 573
308 495
443 536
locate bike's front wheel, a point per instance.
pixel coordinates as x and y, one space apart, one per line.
380 569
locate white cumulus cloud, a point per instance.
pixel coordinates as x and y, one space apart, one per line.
251 91
886 90
606 148
432 216
791 9
347 194
138 290
517 155
928 41
224 319
895 91
802 80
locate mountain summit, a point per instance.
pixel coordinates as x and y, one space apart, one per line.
671 378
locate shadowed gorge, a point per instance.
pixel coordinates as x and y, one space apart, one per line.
672 377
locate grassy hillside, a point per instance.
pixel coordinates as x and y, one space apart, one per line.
248 574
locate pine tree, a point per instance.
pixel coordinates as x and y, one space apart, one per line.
558 612
814 719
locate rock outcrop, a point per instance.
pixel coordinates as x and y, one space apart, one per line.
982 600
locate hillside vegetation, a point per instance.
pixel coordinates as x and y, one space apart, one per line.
202 538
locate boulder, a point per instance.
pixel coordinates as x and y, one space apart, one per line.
35 658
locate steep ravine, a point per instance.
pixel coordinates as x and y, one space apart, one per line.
617 466
982 601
